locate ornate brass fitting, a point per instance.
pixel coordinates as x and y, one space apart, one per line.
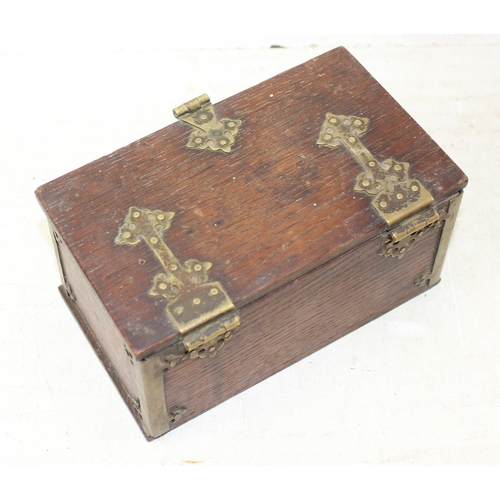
209 131
396 195
404 203
192 301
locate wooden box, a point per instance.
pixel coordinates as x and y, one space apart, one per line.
221 249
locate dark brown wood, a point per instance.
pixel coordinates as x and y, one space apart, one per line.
291 241
100 328
273 209
110 368
297 320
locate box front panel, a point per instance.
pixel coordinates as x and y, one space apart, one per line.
300 318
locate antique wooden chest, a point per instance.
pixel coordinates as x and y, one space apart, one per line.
221 249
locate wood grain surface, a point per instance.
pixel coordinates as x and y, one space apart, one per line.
297 320
272 210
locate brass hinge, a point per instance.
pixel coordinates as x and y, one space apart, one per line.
396 196
403 237
205 341
209 132
404 203
200 309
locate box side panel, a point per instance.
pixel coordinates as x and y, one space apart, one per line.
98 326
300 318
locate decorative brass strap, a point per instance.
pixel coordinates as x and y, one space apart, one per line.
396 196
192 301
209 131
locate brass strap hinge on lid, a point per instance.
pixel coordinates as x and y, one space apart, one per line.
200 309
210 132
403 202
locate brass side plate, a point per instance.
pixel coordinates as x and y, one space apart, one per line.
396 195
192 300
211 133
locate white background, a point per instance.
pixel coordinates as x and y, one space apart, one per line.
419 386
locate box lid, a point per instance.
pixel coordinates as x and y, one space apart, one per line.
273 208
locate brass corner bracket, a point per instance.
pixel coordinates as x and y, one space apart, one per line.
211 133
